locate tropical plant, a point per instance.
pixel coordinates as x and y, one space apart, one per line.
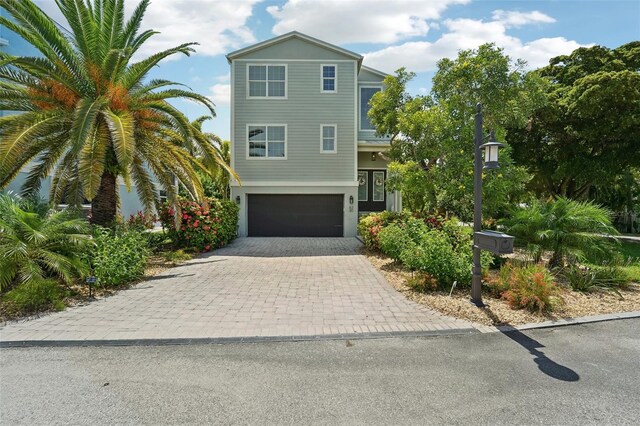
89 116
37 246
203 226
527 286
565 227
119 256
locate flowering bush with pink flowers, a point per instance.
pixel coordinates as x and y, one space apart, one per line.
203 226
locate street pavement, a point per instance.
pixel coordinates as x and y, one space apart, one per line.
575 375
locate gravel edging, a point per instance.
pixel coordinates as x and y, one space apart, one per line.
559 323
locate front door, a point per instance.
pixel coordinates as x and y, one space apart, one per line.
372 196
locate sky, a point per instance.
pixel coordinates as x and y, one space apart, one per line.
389 34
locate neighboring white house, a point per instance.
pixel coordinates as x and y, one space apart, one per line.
307 156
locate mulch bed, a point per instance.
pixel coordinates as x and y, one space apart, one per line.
572 304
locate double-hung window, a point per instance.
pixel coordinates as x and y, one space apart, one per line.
267 141
366 93
328 78
328 143
267 81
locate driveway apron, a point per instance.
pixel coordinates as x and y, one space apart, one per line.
254 287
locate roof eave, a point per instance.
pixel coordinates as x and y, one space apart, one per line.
233 55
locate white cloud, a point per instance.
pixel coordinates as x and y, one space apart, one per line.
219 26
467 34
220 94
358 21
514 18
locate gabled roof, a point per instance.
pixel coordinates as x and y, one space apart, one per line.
375 71
287 36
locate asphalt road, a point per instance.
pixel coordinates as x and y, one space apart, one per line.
581 375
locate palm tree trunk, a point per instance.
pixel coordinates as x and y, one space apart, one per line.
104 206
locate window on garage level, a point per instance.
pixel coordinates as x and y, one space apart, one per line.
267 81
267 141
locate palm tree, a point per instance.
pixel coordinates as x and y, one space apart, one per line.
37 244
89 116
565 227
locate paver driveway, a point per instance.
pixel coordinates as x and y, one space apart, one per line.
254 287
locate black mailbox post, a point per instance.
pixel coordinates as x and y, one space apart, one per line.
495 242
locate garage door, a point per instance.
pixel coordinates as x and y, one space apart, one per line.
294 215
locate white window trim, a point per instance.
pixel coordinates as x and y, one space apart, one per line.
335 139
286 81
335 78
374 185
377 86
366 186
266 157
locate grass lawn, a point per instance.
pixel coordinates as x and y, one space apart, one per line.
629 249
632 250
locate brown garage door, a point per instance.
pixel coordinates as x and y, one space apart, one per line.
294 215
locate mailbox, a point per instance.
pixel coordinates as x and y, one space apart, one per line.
495 242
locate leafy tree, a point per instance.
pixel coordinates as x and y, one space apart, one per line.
565 227
38 244
586 136
434 135
89 117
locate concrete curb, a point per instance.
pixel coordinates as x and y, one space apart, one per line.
233 340
317 338
560 323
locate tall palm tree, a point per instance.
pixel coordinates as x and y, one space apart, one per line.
89 116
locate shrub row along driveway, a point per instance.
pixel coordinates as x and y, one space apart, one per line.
254 287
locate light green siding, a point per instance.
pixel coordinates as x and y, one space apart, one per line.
368 77
295 48
303 112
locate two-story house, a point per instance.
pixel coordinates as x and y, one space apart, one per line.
307 156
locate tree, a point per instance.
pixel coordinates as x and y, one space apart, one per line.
565 227
436 132
586 135
89 118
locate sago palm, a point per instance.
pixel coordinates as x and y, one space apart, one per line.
89 115
37 245
565 227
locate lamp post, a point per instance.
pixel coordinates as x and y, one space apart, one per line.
491 162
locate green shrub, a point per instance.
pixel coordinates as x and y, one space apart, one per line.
203 226
37 243
434 255
527 286
370 226
36 295
393 240
608 276
119 257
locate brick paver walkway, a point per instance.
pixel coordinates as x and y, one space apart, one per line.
254 287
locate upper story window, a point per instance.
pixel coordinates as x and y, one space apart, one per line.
268 141
267 81
328 78
366 93
328 138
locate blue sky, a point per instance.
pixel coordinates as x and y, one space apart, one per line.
390 34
